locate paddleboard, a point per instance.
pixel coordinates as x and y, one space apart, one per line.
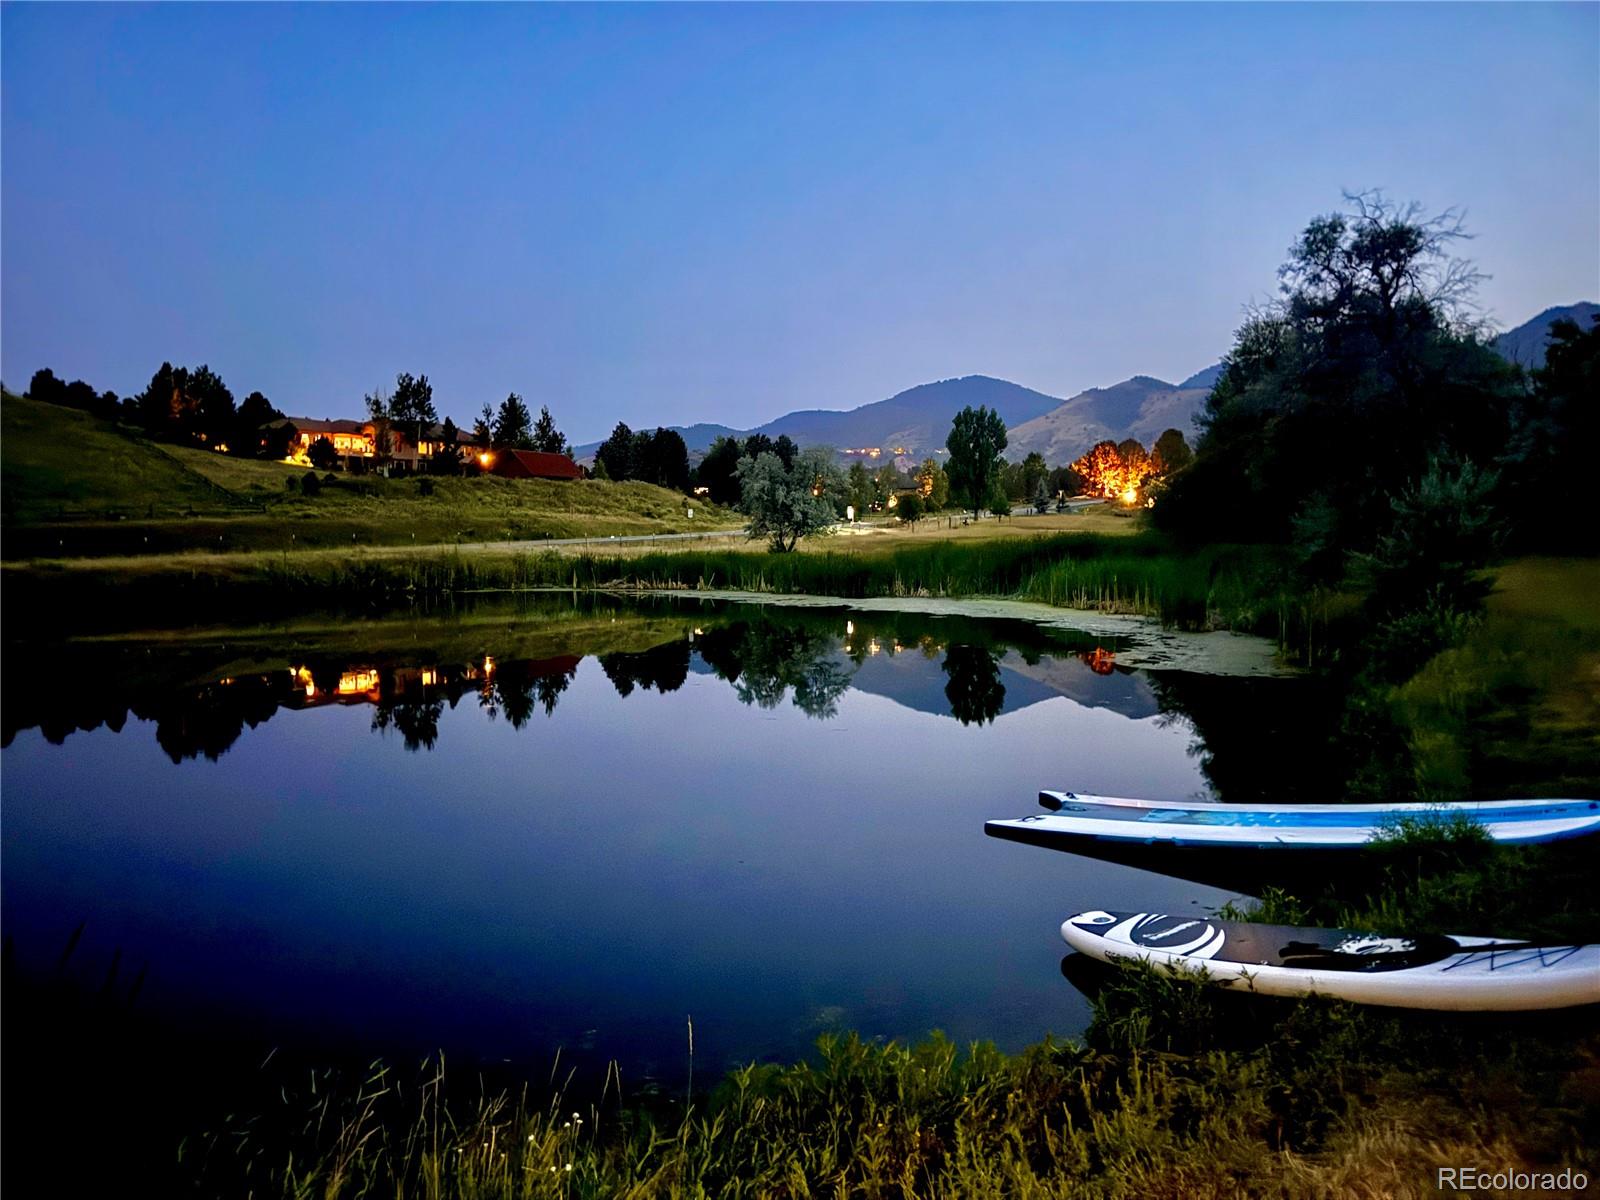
1079 817
1428 972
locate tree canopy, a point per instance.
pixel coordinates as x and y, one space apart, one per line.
977 438
1341 395
787 503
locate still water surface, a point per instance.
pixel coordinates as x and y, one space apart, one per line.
540 826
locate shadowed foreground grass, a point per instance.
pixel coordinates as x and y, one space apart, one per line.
1177 1092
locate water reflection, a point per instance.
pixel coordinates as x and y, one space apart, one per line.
769 818
202 698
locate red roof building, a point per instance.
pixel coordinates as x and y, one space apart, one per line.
532 464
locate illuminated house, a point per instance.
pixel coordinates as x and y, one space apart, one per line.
358 440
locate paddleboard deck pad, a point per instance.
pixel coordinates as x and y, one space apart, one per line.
1079 817
1431 971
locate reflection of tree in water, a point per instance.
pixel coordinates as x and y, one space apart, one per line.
764 660
974 689
1263 740
515 688
664 667
416 721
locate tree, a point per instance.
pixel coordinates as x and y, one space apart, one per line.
546 436
616 453
1064 481
483 427
255 411
412 407
1338 396
513 425
787 504
1171 452
322 454
380 416
447 459
719 471
1557 430
662 458
785 449
277 440
1034 473
909 508
977 436
885 481
155 403
46 387
858 489
933 485
208 409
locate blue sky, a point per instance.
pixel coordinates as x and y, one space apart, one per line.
671 213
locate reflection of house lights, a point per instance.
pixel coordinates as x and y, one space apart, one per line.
354 682
429 677
874 646
849 628
488 665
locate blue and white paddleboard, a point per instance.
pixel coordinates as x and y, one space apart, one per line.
1080 818
1430 972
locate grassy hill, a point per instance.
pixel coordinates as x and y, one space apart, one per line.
58 463
76 485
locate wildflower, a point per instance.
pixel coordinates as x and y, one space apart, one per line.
569 1168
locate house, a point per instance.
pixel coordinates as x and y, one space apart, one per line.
356 442
529 464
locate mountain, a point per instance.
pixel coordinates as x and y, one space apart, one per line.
917 420
1525 344
1140 407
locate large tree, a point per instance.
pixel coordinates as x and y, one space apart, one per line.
662 458
977 437
616 454
411 407
719 471
786 504
1171 452
1368 369
546 436
513 425
208 407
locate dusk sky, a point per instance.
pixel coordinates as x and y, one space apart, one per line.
672 213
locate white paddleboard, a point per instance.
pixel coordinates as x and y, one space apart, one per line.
1427 972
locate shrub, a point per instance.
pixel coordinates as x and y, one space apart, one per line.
310 485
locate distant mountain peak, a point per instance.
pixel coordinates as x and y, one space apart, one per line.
1526 343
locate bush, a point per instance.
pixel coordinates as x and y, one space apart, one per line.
909 508
310 485
291 483
330 478
424 486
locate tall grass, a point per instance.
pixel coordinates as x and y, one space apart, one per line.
1178 1091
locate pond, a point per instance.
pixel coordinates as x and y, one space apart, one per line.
552 823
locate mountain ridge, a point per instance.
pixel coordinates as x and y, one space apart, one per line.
917 419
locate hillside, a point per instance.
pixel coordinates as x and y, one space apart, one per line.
60 462
75 485
1525 344
1140 407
